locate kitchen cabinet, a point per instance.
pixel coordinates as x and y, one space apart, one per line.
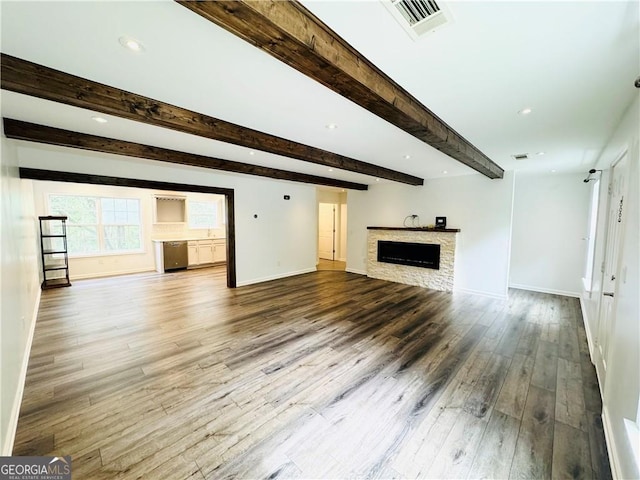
193 254
206 252
168 209
219 251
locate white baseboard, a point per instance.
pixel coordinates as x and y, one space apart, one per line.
531 288
481 293
110 274
614 459
244 283
7 444
356 271
587 328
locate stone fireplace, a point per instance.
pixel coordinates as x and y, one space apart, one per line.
423 257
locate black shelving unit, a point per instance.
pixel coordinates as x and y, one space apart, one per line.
53 249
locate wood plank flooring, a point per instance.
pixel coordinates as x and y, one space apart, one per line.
323 375
331 265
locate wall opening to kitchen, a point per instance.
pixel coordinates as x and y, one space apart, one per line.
202 197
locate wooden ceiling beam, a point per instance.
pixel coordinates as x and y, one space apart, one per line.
29 78
292 34
32 132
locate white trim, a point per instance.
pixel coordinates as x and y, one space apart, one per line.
17 400
481 293
356 271
564 293
110 274
587 328
276 277
614 456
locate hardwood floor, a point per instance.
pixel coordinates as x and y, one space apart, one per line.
323 375
331 265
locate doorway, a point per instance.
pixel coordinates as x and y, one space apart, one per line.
57 176
615 233
332 230
327 231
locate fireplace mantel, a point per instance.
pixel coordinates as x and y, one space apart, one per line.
418 229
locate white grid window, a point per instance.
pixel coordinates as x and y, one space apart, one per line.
98 225
204 214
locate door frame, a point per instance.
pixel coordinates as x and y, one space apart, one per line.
601 364
335 207
58 176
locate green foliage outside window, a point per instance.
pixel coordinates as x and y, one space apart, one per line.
99 225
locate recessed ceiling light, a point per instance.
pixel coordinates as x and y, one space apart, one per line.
445 172
331 126
331 169
252 152
540 154
131 43
377 179
407 157
525 111
99 119
553 171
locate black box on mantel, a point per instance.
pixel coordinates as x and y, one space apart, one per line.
441 222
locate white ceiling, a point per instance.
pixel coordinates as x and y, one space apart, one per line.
573 63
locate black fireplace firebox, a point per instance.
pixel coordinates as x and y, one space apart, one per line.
425 255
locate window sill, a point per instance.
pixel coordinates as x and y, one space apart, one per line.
107 254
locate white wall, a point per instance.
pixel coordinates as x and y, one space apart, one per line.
480 207
622 384
550 227
19 288
281 241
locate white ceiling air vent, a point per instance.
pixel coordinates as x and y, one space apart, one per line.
520 156
418 17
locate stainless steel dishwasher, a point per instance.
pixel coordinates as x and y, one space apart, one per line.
175 255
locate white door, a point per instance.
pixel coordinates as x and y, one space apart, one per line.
615 224
327 231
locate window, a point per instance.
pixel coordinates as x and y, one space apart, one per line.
204 214
591 247
99 225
